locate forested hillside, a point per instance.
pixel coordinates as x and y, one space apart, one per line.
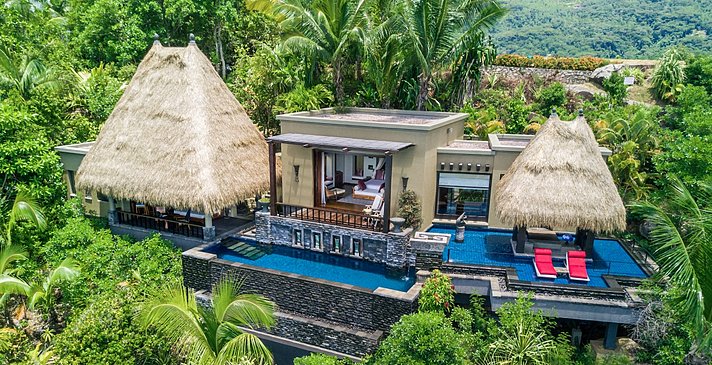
604 28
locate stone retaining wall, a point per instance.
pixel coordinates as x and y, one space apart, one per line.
564 76
335 302
386 248
327 335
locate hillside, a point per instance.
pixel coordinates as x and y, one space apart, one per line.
604 28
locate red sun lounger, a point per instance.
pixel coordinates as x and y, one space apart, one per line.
576 263
542 263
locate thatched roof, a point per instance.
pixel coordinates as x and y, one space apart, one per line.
177 137
561 180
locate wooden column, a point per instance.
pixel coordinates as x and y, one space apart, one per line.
272 179
387 193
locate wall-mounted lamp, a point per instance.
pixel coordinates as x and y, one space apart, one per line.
459 166
469 167
345 149
405 182
452 165
296 173
442 166
487 167
478 167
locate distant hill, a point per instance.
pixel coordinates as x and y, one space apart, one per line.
604 28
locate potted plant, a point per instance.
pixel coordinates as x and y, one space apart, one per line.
263 204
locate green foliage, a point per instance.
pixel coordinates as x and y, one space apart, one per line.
551 97
321 359
668 75
678 240
410 208
437 294
211 334
598 27
107 333
561 63
302 98
699 72
425 338
440 32
524 337
615 88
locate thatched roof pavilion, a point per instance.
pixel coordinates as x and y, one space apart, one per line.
177 138
561 180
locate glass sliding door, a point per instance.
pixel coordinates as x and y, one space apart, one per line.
463 193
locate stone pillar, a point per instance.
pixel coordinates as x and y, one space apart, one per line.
610 340
209 229
113 215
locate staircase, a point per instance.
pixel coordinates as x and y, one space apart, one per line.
243 249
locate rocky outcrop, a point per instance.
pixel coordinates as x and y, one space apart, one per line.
603 73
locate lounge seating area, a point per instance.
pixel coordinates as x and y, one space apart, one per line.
575 265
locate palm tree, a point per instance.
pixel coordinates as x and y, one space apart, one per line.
440 32
213 334
43 293
24 208
9 284
324 30
680 242
25 75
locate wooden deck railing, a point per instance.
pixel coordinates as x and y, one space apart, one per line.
331 216
161 224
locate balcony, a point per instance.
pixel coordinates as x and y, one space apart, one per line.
331 216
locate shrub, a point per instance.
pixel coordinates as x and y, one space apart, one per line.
551 97
410 209
421 339
517 113
106 333
699 72
562 63
616 89
668 75
438 294
303 98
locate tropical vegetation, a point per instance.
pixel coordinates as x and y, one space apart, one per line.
70 290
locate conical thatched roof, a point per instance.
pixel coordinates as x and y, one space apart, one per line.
561 180
177 137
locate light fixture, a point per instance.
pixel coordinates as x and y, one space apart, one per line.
405 182
487 167
452 165
459 166
469 167
478 167
345 149
442 166
296 173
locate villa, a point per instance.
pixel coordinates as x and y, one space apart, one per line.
512 214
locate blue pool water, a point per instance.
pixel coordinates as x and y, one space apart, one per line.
493 248
324 266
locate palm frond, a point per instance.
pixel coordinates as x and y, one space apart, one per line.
245 345
12 285
25 208
10 254
252 310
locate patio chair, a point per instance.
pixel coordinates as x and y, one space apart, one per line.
576 264
543 264
375 206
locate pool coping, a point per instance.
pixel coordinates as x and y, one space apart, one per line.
410 295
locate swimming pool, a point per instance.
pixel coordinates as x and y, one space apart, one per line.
320 265
493 248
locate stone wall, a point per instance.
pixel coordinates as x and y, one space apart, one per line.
564 76
334 302
386 248
330 336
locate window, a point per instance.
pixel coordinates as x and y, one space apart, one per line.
102 197
70 178
87 195
356 247
336 244
358 166
297 237
460 193
316 241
